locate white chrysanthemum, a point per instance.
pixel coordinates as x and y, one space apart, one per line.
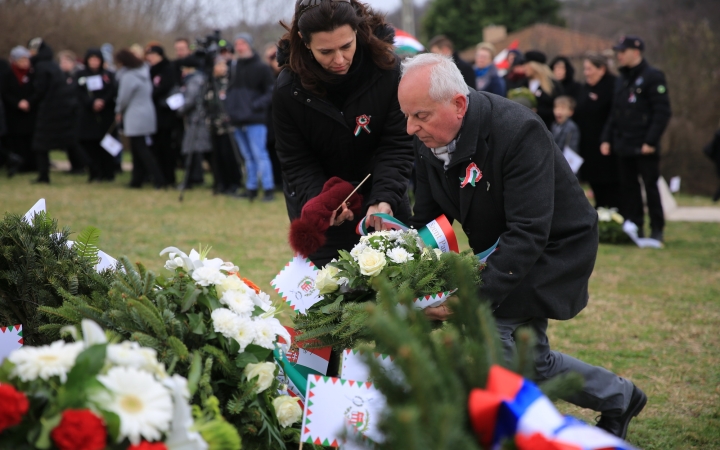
225 322
205 276
144 406
358 249
45 362
239 302
264 333
231 283
399 255
131 354
245 333
395 235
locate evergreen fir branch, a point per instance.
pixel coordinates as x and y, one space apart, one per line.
146 340
178 348
148 317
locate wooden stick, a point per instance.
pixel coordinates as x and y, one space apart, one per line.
351 194
301 442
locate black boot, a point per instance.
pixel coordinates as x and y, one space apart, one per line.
617 424
716 197
250 194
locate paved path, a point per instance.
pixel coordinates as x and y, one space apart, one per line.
675 213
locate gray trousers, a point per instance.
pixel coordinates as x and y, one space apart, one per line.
603 390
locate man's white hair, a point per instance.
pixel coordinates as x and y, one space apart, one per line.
446 81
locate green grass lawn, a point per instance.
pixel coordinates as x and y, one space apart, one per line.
653 316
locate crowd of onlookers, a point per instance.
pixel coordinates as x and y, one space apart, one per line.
170 114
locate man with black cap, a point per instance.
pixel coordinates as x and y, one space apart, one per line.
248 98
640 114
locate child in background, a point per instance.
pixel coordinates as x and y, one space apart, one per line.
565 132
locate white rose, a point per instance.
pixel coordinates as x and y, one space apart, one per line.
617 217
371 262
264 372
399 255
604 215
287 410
325 281
205 276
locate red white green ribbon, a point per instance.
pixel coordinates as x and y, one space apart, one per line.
362 123
473 174
437 234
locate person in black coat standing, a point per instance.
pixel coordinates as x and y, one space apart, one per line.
164 79
542 83
96 95
591 114
564 73
16 90
442 45
491 164
640 114
56 103
336 114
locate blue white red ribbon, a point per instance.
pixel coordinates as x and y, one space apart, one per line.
512 408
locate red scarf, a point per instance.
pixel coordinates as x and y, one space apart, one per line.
20 74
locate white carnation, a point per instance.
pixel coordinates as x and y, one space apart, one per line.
226 322
245 333
399 255
205 276
231 283
264 333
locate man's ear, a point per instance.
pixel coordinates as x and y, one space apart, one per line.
461 105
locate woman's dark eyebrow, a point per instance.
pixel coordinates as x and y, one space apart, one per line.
327 49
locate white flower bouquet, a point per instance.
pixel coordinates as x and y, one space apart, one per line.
93 394
610 227
348 282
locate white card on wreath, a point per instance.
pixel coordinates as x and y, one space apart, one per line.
105 261
332 403
38 207
296 284
10 339
354 367
111 145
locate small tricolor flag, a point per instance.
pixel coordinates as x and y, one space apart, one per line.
406 42
437 234
512 408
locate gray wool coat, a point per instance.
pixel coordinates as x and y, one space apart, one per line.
134 101
197 132
525 196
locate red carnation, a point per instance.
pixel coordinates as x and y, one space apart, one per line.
80 429
14 406
145 445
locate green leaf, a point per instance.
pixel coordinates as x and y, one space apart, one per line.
197 324
261 353
87 365
112 422
195 373
47 425
328 309
189 299
244 359
86 244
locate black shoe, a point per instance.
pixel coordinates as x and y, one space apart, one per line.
249 194
269 196
657 235
716 197
618 424
41 181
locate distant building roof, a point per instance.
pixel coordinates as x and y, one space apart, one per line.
551 40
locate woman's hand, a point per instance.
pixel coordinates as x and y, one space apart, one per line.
377 222
338 219
441 312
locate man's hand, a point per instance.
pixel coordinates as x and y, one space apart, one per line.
98 104
377 222
647 149
338 219
441 312
605 148
24 105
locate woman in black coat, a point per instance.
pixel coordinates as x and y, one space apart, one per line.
336 114
96 96
565 74
164 78
17 89
592 111
543 84
56 103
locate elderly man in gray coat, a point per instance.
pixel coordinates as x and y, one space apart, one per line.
492 165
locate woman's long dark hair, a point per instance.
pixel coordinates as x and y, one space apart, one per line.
328 16
126 58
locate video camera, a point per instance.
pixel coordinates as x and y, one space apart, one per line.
208 47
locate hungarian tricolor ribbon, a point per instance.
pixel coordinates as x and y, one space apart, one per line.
362 123
437 234
513 408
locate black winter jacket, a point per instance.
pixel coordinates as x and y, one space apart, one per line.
316 140
56 102
19 123
591 114
546 103
466 70
94 125
250 91
641 110
526 197
164 79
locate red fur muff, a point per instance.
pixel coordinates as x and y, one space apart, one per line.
307 234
